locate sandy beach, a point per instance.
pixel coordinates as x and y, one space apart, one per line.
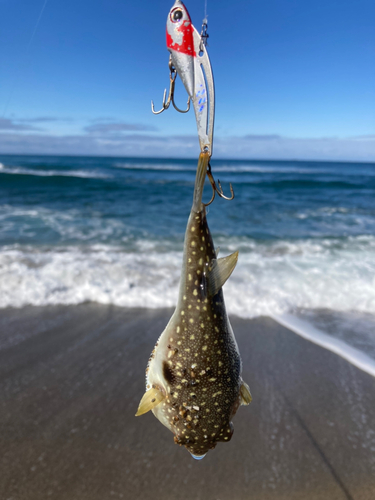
70 381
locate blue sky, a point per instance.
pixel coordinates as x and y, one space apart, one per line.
294 79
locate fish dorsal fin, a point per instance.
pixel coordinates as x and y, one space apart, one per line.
245 394
150 399
219 271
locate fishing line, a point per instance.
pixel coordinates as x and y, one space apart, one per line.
26 52
36 26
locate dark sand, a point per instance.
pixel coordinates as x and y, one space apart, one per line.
70 382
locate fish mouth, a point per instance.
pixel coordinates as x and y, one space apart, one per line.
197 457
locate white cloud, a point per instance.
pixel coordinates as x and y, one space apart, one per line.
121 139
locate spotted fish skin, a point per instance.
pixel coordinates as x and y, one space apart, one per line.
193 379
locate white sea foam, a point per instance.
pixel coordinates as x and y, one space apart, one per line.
265 169
101 273
155 166
243 168
269 279
239 168
53 173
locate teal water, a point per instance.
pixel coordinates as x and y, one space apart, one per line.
111 230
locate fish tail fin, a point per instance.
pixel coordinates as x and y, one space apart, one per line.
204 158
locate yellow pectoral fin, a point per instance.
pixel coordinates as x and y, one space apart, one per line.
245 394
220 270
150 399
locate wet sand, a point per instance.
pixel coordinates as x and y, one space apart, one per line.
70 382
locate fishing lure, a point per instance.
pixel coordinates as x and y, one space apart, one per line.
189 58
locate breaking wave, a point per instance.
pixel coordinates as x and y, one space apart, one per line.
110 230
84 174
271 278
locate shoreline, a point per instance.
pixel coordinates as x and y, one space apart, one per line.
70 381
302 328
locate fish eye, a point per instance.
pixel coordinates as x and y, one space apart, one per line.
177 15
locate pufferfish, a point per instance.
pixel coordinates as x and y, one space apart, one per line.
193 378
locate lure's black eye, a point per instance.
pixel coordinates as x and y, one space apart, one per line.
177 15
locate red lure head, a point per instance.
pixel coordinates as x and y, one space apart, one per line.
180 30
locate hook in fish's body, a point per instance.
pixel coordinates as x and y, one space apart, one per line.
193 379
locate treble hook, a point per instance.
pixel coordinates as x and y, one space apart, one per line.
172 81
215 189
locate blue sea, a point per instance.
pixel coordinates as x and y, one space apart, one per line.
111 230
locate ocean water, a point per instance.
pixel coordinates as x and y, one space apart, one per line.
75 229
